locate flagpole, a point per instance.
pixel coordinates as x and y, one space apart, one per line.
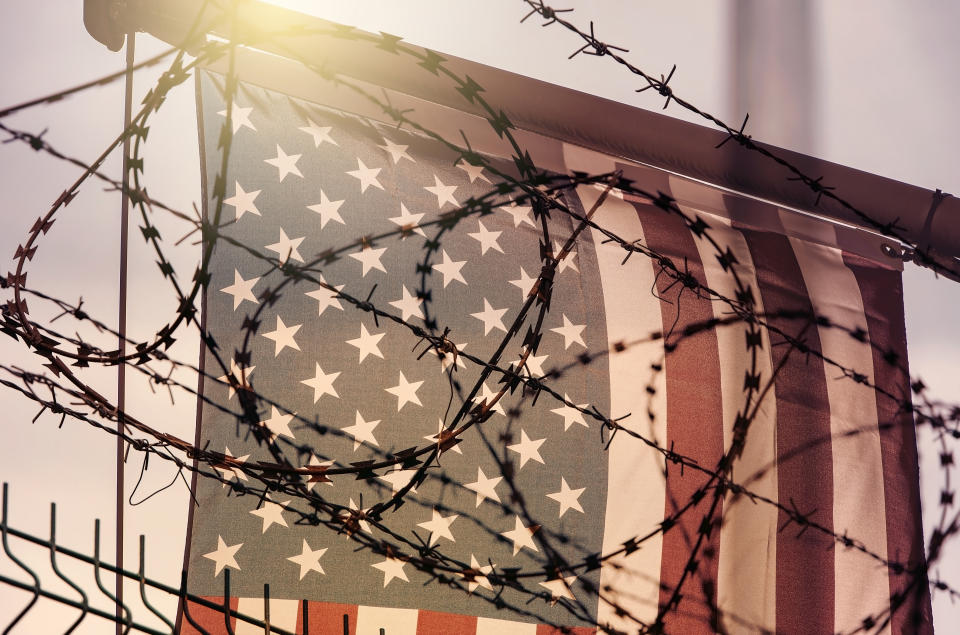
122 322
661 141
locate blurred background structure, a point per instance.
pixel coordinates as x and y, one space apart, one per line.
863 84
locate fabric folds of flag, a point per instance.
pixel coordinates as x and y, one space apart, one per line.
541 518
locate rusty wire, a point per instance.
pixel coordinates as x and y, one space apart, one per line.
64 393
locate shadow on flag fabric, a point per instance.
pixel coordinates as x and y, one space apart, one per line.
599 489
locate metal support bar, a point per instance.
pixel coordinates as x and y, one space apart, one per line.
140 576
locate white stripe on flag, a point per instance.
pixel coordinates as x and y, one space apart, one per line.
747 572
858 496
635 481
490 626
370 619
283 615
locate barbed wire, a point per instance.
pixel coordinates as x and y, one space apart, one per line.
548 195
921 254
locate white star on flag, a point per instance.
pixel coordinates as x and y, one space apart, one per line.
408 220
488 395
396 151
485 487
448 359
444 193
239 116
392 568
285 164
405 392
367 343
322 384
492 318
319 133
369 257
479 578
362 431
241 289
271 513
366 176
534 365
570 414
450 269
227 472
524 282
283 337
242 201
486 238
568 260
224 556
473 171
560 588
519 213
363 524
572 333
286 248
568 498
308 559
328 210
315 462
439 527
326 297
408 304
235 372
528 449
435 438
278 423
398 479
521 536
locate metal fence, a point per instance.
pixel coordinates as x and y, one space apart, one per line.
40 582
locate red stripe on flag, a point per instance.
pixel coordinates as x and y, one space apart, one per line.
694 427
328 618
434 623
209 619
882 293
805 559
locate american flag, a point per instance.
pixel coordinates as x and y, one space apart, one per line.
342 387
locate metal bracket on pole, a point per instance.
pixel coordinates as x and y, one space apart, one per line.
104 20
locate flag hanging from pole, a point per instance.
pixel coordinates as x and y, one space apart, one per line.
597 491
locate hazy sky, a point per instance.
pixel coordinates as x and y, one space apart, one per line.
862 83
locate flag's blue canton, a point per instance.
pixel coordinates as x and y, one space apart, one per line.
303 180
